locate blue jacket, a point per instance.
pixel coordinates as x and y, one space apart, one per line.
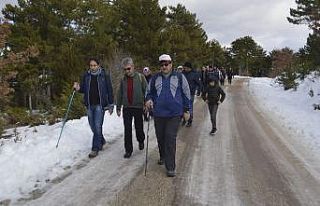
170 96
193 79
104 87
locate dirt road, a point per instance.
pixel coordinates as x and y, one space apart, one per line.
250 161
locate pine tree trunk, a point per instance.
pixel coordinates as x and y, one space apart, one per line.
30 103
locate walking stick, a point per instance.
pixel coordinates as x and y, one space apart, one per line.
146 166
66 115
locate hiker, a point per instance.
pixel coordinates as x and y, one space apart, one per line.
98 97
213 96
168 94
222 76
147 74
194 84
213 73
130 97
229 75
203 77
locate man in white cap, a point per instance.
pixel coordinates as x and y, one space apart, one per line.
168 94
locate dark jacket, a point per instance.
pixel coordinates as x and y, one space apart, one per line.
214 74
139 90
213 94
170 95
148 77
193 79
104 88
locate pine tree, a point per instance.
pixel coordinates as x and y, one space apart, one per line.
215 55
139 33
307 12
186 38
9 61
246 55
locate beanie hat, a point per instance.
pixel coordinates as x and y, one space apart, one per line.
165 57
188 64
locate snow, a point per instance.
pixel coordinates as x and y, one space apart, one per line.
33 160
293 110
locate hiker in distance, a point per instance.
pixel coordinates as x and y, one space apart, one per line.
168 95
193 79
98 97
213 95
130 97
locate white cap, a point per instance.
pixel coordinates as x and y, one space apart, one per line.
164 57
146 69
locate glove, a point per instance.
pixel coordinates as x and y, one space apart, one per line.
186 115
149 105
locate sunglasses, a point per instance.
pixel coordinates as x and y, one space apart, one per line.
127 69
165 64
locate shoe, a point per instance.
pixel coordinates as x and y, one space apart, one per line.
213 131
171 173
189 124
160 162
104 146
141 145
93 154
127 155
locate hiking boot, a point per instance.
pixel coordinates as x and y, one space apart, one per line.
160 162
171 173
93 154
127 155
104 146
189 124
213 131
141 145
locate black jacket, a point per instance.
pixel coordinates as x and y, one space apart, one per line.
213 94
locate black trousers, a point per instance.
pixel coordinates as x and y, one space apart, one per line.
128 115
213 108
166 132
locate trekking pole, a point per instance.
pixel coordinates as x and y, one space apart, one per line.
66 115
146 166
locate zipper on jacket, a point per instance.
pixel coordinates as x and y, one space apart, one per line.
99 88
89 90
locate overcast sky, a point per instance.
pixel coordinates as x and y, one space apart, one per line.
228 20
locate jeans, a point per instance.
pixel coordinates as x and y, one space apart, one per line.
95 117
128 115
166 132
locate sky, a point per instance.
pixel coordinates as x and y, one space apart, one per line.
265 21
31 162
228 20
